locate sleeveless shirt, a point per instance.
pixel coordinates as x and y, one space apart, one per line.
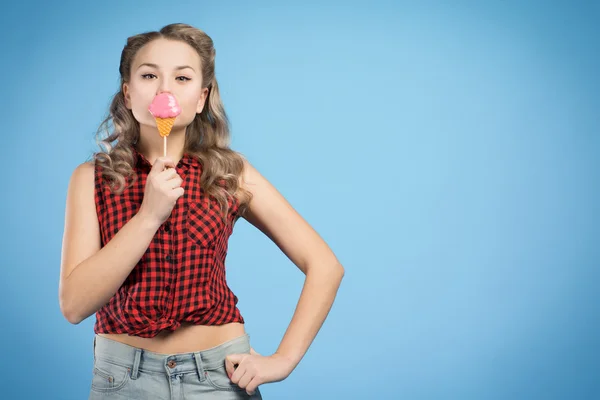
181 276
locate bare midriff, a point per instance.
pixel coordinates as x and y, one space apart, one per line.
187 338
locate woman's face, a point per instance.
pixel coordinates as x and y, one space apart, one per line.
165 66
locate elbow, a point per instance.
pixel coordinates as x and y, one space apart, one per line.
67 303
340 270
68 311
335 271
71 316
73 319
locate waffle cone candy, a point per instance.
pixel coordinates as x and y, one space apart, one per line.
164 125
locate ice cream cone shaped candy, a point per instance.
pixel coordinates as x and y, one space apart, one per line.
164 125
164 108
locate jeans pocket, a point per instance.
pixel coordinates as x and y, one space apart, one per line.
219 380
109 377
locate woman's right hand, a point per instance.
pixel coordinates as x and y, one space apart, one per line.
163 188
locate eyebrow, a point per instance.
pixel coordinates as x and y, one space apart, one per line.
156 66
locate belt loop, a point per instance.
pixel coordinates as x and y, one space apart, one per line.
199 366
136 363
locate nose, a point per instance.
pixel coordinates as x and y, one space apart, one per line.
164 86
162 89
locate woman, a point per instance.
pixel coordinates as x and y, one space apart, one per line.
146 238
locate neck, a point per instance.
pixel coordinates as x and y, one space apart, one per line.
151 145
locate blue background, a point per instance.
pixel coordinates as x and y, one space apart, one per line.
448 153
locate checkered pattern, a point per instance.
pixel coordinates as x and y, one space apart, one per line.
181 276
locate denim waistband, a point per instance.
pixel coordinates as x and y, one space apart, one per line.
140 359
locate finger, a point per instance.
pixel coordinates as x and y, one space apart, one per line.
178 192
252 385
175 183
235 358
239 371
245 379
161 163
168 173
229 367
235 361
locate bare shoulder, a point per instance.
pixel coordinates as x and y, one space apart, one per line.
271 213
83 174
81 184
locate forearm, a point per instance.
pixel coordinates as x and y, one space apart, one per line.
317 296
95 280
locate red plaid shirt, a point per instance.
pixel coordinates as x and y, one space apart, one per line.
181 276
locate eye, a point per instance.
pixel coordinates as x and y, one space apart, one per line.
145 76
185 78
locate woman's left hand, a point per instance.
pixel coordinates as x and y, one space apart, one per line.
253 369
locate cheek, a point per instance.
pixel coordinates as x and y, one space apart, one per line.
140 109
189 107
186 117
139 103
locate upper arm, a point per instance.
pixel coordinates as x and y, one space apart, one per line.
273 215
81 237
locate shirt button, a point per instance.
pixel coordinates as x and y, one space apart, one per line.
171 364
167 287
168 257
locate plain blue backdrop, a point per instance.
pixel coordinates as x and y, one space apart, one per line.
446 151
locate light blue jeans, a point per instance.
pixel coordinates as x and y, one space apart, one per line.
126 372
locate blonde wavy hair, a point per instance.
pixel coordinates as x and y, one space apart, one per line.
207 137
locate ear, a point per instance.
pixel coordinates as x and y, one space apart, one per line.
202 100
126 96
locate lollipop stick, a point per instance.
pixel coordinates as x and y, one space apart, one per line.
165 145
